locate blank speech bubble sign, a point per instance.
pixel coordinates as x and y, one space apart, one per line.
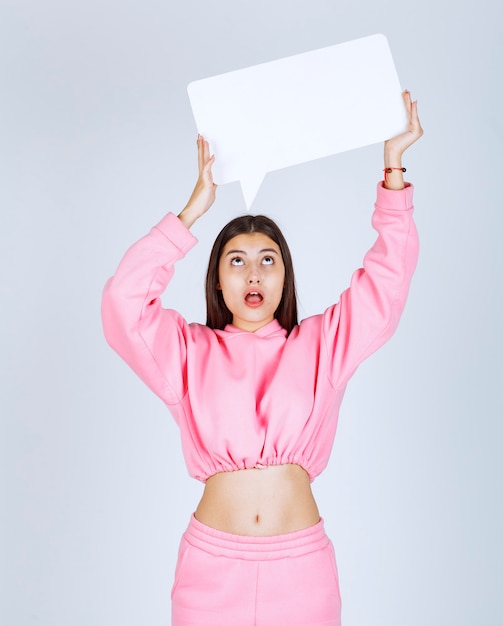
297 109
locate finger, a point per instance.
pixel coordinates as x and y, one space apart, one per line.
407 99
416 124
414 109
207 173
200 153
206 150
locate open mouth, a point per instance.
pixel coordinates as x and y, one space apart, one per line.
254 298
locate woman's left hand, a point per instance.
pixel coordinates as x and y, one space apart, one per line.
397 145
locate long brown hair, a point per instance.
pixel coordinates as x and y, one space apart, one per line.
217 313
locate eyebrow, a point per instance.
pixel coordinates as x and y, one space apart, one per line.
246 254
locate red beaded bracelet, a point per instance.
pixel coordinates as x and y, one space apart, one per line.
388 170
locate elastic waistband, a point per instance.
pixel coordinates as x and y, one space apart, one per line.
219 543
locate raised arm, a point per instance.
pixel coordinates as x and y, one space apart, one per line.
151 339
369 311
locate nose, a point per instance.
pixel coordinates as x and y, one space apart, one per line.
254 276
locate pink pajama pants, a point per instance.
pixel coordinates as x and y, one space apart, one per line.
231 580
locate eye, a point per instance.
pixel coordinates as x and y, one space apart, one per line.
267 260
237 261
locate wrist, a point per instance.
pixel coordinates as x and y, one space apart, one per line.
392 159
188 215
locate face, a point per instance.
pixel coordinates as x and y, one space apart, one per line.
251 276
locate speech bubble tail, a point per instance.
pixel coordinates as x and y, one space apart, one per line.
250 187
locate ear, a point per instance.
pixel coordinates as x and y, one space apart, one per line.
218 287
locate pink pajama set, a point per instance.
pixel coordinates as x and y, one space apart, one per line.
247 400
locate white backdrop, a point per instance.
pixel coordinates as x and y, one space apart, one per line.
97 142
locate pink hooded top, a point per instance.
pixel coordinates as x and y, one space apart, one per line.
243 399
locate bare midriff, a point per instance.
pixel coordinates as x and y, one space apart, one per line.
273 500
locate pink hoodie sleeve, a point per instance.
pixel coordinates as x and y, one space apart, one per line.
369 311
152 340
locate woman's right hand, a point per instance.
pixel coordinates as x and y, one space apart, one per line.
203 195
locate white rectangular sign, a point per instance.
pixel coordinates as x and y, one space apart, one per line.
304 107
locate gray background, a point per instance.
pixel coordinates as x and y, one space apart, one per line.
97 142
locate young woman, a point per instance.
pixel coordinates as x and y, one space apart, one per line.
256 395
